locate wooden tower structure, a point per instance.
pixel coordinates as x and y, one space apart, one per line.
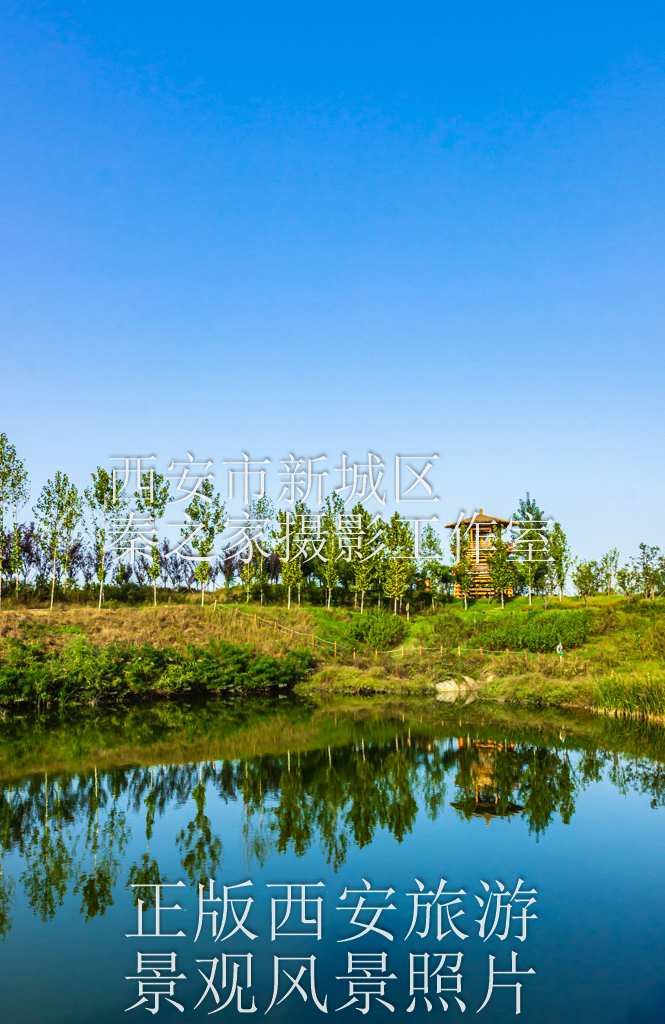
481 531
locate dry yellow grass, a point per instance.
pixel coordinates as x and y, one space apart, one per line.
173 626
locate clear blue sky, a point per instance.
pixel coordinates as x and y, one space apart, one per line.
339 227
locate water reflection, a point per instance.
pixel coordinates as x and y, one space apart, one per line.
303 776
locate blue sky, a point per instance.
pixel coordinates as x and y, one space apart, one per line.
422 227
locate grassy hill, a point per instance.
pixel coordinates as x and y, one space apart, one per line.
613 649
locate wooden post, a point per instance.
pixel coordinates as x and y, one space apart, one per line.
335 648
312 641
354 654
459 652
481 652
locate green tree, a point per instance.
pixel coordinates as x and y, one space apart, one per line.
609 564
289 545
330 550
625 577
585 579
99 499
501 568
365 555
152 500
559 551
248 573
56 512
263 509
13 483
462 544
399 546
431 560
530 542
647 570
72 517
19 491
208 517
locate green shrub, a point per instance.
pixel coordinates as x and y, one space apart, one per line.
534 631
83 671
377 629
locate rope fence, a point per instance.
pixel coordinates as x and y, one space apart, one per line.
337 645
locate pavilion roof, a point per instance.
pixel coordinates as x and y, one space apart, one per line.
479 518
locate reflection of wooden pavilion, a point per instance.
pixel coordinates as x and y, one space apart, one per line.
481 531
486 803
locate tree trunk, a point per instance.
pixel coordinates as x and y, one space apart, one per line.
154 592
299 595
502 598
53 580
395 608
355 600
288 605
202 592
529 593
560 592
362 601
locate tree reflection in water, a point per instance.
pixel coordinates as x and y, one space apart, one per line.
335 788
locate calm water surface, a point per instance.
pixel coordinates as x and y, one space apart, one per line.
354 794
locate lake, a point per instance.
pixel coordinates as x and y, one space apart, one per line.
387 858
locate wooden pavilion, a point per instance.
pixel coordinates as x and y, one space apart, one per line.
481 531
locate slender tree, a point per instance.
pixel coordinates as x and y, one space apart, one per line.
647 569
105 515
559 551
609 564
431 565
208 519
585 579
263 509
627 580
530 542
399 546
330 549
461 572
152 500
73 516
19 491
290 546
54 512
366 552
8 469
501 568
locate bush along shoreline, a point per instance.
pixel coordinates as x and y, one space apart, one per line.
86 673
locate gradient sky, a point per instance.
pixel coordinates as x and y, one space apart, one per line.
422 227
